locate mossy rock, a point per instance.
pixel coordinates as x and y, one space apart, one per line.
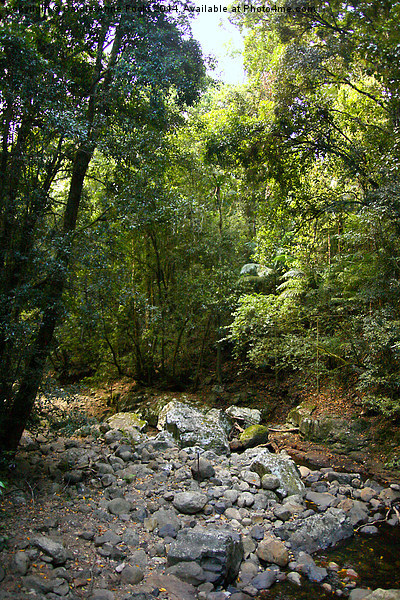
126 420
254 436
301 412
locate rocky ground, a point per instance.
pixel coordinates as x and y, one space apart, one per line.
105 518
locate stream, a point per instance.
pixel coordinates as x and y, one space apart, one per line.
376 559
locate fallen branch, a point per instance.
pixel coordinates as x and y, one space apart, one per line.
375 522
290 430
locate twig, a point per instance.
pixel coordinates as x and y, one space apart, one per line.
375 522
31 490
290 430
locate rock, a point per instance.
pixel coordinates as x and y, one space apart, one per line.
166 517
248 416
245 499
294 577
282 513
316 532
191 572
109 537
356 511
193 427
102 595
55 550
124 421
253 436
367 493
176 589
369 529
218 552
119 506
21 563
264 580
132 575
251 478
189 503
74 477
272 550
202 469
380 594
322 500
270 482
264 462
359 594
342 478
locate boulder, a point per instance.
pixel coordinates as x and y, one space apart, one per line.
218 552
273 550
316 532
53 549
190 503
129 424
253 436
247 416
264 462
194 427
380 594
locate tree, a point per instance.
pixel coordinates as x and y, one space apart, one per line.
67 72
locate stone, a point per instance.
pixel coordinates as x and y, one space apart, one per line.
367 493
189 503
369 530
247 416
254 436
322 500
316 532
202 469
270 482
166 517
102 595
21 563
359 594
132 575
273 550
176 589
55 550
380 594
264 580
264 462
124 421
191 572
119 506
294 577
109 537
218 552
192 427
251 478
245 499
282 513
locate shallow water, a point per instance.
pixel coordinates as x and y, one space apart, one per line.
375 558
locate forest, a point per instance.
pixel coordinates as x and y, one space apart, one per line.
154 220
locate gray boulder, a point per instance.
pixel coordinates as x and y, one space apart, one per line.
254 435
316 532
264 462
219 553
54 550
193 427
380 594
247 416
189 503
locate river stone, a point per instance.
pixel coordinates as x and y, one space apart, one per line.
253 436
218 552
55 550
21 563
202 469
380 594
359 594
119 506
189 503
316 532
126 420
193 427
272 550
132 575
270 482
322 499
264 580
280 465
191 572
249 416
